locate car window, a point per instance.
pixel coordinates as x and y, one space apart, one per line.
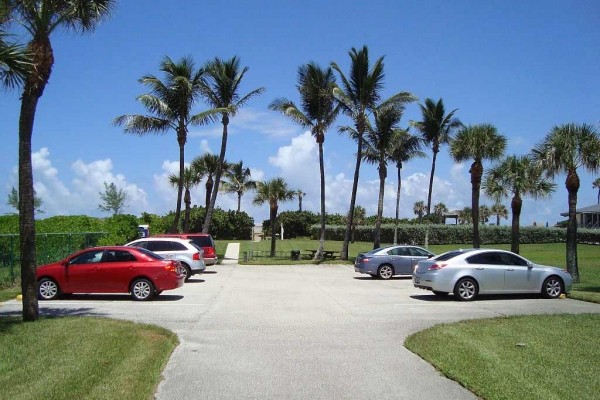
447 256
415 251
393 252
151 254
202 241
176 246
120 256
159 245
143 244
510 259
94 256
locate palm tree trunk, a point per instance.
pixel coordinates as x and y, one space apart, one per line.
26 207
344 252
431 182
497 219
319 253
239 202
377 233
187 199
273 221
572 184
209 187
515 233
213 198
397 204
181 141
476 173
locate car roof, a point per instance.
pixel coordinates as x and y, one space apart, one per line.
162 239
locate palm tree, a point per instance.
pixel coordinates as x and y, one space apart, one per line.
238 181
379 144
14 61
419 209
484 214
477 142
440 210
519 176
359 94
170 104
318 114
300 195
500 211
273 192
359 216
565 149
596 185
206 166
190 179
407 147
41 18
437 128
220 86
465 216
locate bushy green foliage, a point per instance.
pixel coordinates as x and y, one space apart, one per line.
456 234
120 229
297 223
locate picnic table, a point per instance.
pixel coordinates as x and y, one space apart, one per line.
326 253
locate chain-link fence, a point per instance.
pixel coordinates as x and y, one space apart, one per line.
50 247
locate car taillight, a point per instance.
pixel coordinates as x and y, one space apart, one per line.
172 266
209 251
436 266
196 256
364 260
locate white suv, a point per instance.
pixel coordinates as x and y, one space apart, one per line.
187 253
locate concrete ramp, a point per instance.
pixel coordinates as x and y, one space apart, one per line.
232 254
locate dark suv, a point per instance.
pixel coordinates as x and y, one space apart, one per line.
202 240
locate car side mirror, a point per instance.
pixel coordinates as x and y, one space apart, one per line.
529 264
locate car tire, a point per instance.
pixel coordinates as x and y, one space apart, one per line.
48 289
188 271
142 289
552 287
466 289
438 293
385 271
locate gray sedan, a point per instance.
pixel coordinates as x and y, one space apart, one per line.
469 273
386 262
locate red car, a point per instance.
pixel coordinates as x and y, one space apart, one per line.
110 269
202 240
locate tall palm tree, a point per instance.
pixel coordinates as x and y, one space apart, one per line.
238 181
358 96
484 214
41 18
500 211
273 192
206 166
300 195
519 176
170 104
439 210
318 112
477 142
220 87
14 60
190 179
359 216
407 147
437 128
419 208
566 149
379 144
596 185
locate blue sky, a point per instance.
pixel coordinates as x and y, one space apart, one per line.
522 66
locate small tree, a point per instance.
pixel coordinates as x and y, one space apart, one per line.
113 199
13 201
419 209
596 185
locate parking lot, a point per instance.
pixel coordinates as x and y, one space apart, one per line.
299 332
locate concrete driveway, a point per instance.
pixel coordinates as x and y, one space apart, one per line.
299 332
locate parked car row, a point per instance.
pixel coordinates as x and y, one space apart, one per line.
144 267
465 273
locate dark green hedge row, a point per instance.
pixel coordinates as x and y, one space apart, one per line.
456 234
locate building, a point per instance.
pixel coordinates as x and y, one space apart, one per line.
587 217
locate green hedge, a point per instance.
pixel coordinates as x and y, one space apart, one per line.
456 234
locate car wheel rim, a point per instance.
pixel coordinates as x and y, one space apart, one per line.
386 272
553 288
141 290
48 289
466 290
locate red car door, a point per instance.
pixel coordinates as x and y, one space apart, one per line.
117 270
81 273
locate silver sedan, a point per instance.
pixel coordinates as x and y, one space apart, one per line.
388 261
469 273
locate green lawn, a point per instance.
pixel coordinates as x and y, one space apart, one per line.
512 358
81 358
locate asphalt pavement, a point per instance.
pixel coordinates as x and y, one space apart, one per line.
299 332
